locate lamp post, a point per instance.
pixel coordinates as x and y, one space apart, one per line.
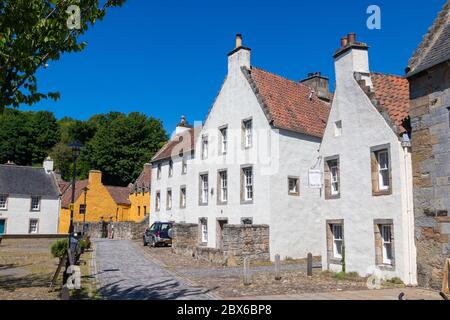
76 149
85 190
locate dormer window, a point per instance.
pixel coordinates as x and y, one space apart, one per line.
3 202
35 203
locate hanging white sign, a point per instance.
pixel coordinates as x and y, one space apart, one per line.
315 179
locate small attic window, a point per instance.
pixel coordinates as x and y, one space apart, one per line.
338 128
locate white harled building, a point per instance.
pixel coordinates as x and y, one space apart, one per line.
248 162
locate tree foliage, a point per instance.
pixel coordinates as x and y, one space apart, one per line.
33 32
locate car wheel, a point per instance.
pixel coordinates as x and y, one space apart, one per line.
145 242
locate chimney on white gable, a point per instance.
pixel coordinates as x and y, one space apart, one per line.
48 165
182 126
352 58
239 57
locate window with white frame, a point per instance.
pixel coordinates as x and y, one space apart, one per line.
248 133
183 197
293 186
205 147
204 230
338 240
158 172
248 183
204 189
386 238
3 201
184 166
334 175
223 140
170 168
169 199
383 170
338 128
223 177
158 201
35 203
33 229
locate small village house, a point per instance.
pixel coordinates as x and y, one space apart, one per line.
365 156
29 199
428 73
100 201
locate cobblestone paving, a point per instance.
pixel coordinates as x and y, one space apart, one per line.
125 273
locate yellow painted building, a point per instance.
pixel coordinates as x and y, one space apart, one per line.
105 202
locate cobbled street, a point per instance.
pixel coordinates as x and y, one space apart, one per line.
125 273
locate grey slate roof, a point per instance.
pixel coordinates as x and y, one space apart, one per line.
435 46
27 181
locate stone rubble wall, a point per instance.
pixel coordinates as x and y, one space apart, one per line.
430 99
239 241
122 230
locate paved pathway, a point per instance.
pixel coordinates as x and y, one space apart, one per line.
125 273
384 294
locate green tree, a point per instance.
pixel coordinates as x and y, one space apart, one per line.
121 147
33 32
26 138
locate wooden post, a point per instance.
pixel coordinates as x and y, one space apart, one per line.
310 265
446 278
277 267
247 275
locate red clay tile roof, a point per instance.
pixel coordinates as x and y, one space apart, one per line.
184 141
287 103
143 182
392 95
66 198
119 194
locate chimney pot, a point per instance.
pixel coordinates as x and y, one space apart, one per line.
351 37
344 41
238 40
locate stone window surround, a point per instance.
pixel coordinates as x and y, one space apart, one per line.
39 204
329 238
243 135
6 202
200 189
378 246
374 170
167 199
183 187
219 188
37 225
327 178
297 182
242 195
221 140
158 203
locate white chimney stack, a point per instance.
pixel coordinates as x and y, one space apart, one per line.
239 57
48 165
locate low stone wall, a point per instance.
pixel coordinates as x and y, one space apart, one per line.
122 230
251 241
239 241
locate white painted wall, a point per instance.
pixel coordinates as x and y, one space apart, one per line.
18 215
363 127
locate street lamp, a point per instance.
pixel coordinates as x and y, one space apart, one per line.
76 149
85 190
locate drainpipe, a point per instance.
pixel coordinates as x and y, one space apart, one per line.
406 144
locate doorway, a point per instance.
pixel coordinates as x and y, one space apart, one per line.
221 222
2 226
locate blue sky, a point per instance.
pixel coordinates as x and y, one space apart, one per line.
168 58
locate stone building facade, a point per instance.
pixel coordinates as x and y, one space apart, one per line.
428 73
